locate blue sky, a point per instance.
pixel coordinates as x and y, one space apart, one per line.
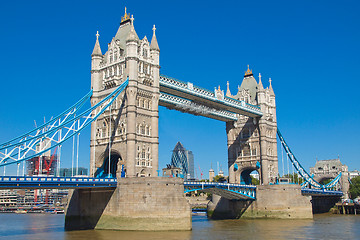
310 49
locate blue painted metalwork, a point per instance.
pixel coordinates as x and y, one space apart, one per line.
228 190
302 172
13 182
173 86
50 134
320 192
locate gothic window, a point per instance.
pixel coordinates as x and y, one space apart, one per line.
256 133
121 52
115 55
246 150
143 154
142 129
145 52
147 130
144 104
245 133
150 105
253 152
111 57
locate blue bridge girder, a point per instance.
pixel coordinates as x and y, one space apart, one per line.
320 192
199 97
229 191
45 182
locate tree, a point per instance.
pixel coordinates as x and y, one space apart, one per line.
254 181
355 187
219 178
294 178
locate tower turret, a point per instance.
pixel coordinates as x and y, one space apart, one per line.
96 58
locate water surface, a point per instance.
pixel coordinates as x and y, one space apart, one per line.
323 226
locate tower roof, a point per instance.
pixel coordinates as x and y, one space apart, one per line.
124 30
97 49
132 36
154 44
271 88
261 87
250 84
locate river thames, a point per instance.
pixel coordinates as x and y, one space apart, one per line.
323 226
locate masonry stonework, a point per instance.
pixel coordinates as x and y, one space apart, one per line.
145 204
252 142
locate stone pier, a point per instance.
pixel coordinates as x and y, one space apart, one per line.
142 204
272 201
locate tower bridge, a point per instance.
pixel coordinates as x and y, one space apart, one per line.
127 90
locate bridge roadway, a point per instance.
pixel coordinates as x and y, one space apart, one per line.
186 97
44 182
227 190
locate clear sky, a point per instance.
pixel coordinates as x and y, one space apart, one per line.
310 49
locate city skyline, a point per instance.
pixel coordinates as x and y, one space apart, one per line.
309 51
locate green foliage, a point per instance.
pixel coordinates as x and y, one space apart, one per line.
294 178
219 178
355 187
326 181
254 181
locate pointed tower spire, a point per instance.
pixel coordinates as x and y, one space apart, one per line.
132 34
97 49
261 87
228 93
271 88
154 44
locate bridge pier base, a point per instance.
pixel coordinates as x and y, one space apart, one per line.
323 204
272 201
145 204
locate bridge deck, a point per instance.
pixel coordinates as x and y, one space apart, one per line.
197 96
320 192
55 182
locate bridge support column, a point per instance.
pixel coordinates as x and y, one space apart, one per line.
151 204
272 201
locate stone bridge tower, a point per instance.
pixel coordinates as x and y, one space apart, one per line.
252 142
124 139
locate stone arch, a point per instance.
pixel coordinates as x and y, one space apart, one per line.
142 173
245 177
114 166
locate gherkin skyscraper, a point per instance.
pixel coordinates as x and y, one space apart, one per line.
183 159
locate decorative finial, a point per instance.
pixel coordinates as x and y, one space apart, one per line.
97 35
270 81
125 17
132 18
248 72
154 28
259 76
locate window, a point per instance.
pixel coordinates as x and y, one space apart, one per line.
142 128
246 133
246 150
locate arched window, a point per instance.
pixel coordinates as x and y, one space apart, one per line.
142 128
246 150
141 102
245 133
146 130
115 55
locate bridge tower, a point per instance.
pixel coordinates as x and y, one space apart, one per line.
252 143
124 139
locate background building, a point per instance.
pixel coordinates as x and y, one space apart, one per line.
68 172
183 159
